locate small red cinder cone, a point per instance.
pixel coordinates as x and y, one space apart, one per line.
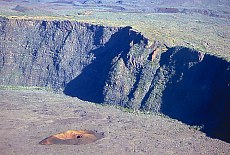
73 137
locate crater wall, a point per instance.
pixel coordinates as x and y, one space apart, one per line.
116 65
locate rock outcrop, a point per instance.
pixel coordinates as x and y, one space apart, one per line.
48 53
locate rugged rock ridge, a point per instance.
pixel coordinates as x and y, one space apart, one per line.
117 66
48 53
181 83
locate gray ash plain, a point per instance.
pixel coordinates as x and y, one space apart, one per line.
29 116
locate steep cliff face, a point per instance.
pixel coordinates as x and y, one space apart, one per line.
47 53
91 84
193 88
115 66
181 83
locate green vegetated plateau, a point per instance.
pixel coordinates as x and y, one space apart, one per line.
201 25
175 64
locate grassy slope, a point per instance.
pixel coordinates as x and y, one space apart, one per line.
207 34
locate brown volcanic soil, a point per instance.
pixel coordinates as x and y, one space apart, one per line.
27 117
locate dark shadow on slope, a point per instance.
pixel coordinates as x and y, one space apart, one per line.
89 84
198 93
98 33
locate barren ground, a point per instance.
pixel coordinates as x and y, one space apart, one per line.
29 116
